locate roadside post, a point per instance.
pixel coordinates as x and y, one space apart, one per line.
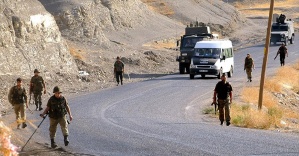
266 51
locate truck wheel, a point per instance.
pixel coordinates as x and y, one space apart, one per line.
203 75
230 73
182 68
191 76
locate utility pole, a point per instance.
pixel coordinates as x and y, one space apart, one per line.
266 51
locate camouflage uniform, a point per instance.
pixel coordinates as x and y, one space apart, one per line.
118 70
248 65
57 107
37 84
223 90
17 96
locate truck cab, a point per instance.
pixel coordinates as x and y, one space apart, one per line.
193 34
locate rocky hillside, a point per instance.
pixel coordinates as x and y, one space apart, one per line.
29 39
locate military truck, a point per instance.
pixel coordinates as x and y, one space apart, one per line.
282 30
193 33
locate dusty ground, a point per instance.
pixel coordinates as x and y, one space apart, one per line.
149 59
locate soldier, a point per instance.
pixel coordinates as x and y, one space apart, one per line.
248 66
282 51
119 70
58 107
17 97
37 85
223 90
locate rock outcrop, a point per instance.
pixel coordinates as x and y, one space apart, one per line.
29 39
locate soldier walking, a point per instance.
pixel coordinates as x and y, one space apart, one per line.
58 107
37 85
18 98
223 91
119 70
248 66
282 52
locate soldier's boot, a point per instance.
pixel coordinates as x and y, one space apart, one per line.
24 125
36 107
40 107
66 140
53 143
221 123
227 123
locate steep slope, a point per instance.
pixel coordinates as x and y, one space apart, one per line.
30 38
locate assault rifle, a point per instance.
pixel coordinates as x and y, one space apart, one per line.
215 104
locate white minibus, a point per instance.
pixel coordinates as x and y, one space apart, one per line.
212 57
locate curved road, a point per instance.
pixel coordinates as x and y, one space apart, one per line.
163 116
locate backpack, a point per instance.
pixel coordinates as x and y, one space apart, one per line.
16 97
57 107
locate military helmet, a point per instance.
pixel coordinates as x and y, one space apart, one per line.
36 71
56 89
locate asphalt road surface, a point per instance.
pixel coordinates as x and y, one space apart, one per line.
163 116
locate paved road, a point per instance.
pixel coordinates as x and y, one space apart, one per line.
163 116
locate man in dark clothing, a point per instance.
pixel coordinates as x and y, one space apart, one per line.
119 70
58 107
18 98
248 65
223 91
282 52
37 85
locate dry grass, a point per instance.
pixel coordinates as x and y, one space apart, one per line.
296 66
159 6
288 76
258 8
272 112
76 53
164 44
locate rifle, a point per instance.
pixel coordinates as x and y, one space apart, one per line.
215 104
44 117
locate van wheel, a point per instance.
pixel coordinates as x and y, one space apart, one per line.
188 69
182 68
203 75
191 76
230 73
220 73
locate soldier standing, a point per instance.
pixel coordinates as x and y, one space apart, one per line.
37 85
223 91
17 97
119 70
58 107
282 51
248 66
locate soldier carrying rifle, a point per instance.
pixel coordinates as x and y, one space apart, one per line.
223 91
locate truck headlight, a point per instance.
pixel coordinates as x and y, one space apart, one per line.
192 66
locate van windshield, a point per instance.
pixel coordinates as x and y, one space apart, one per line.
208 52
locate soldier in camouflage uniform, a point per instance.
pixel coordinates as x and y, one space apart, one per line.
119 70
18 98
58 107
223 91
248 66
37 85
